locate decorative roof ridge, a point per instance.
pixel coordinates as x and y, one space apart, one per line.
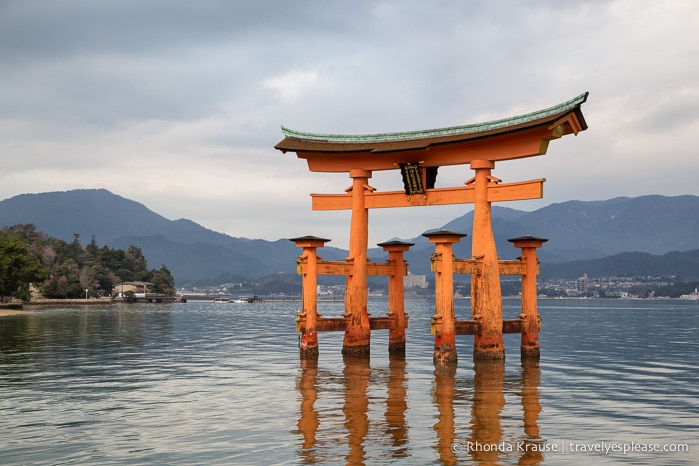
571 104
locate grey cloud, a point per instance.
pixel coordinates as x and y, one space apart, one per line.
44 29
201 87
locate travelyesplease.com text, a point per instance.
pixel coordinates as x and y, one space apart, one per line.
565 447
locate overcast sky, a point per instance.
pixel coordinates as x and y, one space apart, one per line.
178 104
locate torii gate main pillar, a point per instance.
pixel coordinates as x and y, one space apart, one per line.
358 334
486 295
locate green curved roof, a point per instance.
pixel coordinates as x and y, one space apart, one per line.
570 105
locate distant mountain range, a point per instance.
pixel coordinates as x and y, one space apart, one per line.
190 251
637 236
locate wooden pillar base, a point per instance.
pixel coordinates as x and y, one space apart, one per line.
396 348
308 353
445 354
308 345
360 351
531 353
488 355
489 346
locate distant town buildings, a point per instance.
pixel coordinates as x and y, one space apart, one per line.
582 284
411 281
605 287
423 285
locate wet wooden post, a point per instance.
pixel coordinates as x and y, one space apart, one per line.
530 317
358 334
308 319
396 295
486 295
443 327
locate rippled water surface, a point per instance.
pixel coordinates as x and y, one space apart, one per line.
205 383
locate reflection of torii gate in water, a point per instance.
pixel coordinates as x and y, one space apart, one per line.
418 155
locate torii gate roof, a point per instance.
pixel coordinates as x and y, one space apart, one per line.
509 138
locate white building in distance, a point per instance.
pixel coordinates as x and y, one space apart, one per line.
414 281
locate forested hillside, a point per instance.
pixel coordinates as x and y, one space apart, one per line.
60 269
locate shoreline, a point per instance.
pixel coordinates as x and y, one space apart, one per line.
12 312
69 302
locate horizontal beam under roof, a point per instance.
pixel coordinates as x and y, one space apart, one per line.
532 189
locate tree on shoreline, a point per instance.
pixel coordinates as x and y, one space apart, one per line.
18 268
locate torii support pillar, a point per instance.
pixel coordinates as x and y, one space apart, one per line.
358 334
396 296
308 343
529 316
443 326
486 295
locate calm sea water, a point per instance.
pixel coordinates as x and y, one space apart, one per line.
205 383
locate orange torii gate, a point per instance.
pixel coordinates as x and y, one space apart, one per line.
418 155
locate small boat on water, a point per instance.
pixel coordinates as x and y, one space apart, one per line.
234 301
244 300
